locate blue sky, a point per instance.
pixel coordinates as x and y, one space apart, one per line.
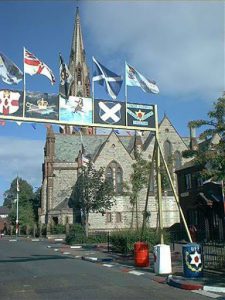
179 44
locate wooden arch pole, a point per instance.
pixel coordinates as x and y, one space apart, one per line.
173 189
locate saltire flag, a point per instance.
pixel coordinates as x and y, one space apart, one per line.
33 66
17 185
112 81
134 78
66 78
9 72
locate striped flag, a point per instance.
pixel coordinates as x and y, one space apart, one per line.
134 78
33 66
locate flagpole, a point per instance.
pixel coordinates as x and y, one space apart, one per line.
126 91
17 207
24 83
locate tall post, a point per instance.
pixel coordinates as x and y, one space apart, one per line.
17 207
24 83
175 194
158 178
126 91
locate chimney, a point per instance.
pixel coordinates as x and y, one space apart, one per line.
193 139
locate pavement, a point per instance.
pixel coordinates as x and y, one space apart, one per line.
211 281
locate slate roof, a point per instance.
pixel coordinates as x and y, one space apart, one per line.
67 147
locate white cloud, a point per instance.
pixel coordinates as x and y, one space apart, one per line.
23 157
178 44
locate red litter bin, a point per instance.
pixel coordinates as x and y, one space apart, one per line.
141 254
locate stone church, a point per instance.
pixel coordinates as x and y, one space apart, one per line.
113 152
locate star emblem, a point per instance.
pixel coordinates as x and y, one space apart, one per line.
140 114
195 259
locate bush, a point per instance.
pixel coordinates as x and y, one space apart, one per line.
58 229
123 241
76 235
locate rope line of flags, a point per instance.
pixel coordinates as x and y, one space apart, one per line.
11 74
112 82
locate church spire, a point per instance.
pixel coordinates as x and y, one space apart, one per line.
77 65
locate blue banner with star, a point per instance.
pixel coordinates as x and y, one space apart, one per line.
140 115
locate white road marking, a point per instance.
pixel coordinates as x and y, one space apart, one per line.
214 289
207 294
107 265
75 247
136 273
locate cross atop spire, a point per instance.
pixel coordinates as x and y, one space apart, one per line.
77 65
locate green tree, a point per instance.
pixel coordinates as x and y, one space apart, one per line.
92 193
211 157
26 196
139 180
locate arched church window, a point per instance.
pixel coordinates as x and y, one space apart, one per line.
79 76
167 150
109 174
177 159
115 174
119 180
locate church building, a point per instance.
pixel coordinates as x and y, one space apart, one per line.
113 152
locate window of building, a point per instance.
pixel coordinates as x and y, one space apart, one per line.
115 174
167 150
108 217
79 77
118 217
188 181
177 159
199 181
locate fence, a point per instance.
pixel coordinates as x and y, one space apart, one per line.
214 255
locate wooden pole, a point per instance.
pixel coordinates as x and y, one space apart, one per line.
175 193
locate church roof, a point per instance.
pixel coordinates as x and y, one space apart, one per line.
67 147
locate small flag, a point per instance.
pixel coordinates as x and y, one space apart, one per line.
9 72
76 128
66 78
116 131
34 125
134 78
84 159
112 81
19 123
128 132
17 185
32 66
2 122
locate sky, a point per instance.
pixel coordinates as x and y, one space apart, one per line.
179 44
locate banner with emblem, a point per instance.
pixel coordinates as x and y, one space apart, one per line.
75 110
11 103
42 106
140 115
109 112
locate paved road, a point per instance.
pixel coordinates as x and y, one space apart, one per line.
30 270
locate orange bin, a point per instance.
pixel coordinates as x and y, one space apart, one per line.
141 254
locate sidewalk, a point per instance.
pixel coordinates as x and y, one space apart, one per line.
212 281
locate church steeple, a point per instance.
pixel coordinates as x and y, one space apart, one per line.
77 64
